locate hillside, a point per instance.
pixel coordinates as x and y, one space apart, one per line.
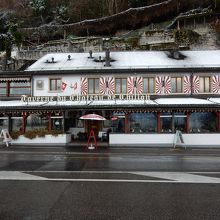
44 20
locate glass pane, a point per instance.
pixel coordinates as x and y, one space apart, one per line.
17 84
142 122
204 122
173 85
201 84
166 122
118 126
59 84
118 86
96 86
179 85
17 124
151 85
3 123
35 121
57 124
3 84
20 91
124 86
180 122
52 85
145 85
207 84
90 86
2 91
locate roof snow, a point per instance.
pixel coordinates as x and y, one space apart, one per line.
127 60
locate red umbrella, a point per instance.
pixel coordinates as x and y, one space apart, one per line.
94 117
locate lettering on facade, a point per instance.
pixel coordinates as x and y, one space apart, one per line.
85 98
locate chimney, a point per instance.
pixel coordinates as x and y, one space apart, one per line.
90 54
107 58
176 55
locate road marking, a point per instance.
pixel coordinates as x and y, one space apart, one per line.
165 177
15 175
180 177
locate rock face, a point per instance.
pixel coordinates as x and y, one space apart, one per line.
129 19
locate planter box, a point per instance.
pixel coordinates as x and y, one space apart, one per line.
47 140
206 140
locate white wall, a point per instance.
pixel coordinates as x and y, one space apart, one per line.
47 140
68 79
163 140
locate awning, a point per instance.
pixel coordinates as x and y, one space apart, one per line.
17 79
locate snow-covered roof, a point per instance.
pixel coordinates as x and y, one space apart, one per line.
182 101
116 103
127 60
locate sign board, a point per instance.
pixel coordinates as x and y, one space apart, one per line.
178 139
6 136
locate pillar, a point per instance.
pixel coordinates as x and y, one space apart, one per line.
218 122
49 122
7 88
158 122
24 121
187 121
126 123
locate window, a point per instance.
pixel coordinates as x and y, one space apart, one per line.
176 84
118 126
55 84
3 123
121 85
57 123
166 122
180 122
3 88
17 123
93 86
11 88
20 88
204 122
35 121
149 85
142 123
204 83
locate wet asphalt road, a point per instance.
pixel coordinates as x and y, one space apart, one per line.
108 185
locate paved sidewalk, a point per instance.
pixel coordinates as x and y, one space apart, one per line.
108 150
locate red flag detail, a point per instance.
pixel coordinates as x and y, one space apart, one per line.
63 86
75 86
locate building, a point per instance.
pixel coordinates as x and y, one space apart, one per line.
145 96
